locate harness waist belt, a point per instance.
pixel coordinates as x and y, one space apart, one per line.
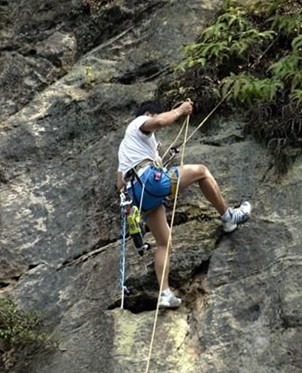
143 164
139 172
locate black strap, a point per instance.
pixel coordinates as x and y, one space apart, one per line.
136 201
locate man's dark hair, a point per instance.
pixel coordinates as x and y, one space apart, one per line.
152 107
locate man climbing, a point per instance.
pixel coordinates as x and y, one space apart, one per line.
149 184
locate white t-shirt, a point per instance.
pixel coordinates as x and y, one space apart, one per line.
136 146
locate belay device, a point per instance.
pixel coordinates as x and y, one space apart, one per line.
136 230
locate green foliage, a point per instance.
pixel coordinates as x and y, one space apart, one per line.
234 41
296 97
230 37
251 55
297 44
201 53
273 6
19 331
268 8
246 88
249 38
287 70
288 24
235 19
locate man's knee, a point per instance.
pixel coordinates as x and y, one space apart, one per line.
203 171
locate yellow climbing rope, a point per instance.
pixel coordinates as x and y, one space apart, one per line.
186 139
186 126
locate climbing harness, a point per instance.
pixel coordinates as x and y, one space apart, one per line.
158 169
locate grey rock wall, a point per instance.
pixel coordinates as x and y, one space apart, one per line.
70 81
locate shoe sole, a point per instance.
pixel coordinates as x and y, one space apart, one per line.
230 230
168 306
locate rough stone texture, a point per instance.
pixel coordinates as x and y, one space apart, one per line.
70 81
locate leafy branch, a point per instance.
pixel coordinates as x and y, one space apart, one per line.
232 36
19 331
247 89
253 55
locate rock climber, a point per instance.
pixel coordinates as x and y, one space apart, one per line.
138 153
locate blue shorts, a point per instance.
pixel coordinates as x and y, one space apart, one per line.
157 187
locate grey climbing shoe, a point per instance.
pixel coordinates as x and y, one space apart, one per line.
169 301
236 216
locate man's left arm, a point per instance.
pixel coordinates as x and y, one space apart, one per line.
119 181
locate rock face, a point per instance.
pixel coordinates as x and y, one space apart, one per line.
71 78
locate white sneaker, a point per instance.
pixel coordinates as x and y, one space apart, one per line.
169 301
237 215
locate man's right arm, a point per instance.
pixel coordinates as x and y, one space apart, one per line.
167 118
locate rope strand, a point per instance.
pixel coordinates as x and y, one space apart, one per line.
124 289
123 258
186 125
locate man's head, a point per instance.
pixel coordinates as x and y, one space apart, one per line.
149 108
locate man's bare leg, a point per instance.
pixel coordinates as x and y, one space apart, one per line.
208 185
158 225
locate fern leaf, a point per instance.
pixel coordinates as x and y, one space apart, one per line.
226 85
285 68
296 80
287 23
238 47
213 49
297 43
237 87
296 96
214 32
